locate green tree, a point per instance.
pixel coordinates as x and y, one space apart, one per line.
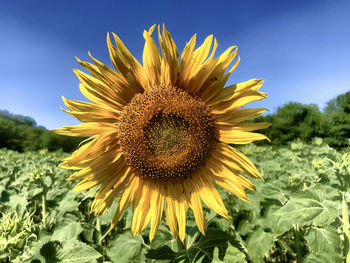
20 133
339 103
292 121
338 116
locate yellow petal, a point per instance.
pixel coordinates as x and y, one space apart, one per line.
238 115
89 112
223 165
123 90
118 84
100 174
248 126
80 175
228 134
100 170
141 207
195 203
170 211
94 153
191 76
201 53
238 101
213 86
170 60
124 62
210 195
89 182
98 92
85 129
215 45
225 180
93 69
236 160
108 191
181 207
156 211
151 59
216 80
211 71
69 162
100 145
245 182
230 92
123 201
186 60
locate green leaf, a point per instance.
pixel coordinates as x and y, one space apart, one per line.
220 223
47 181
305 211
67 229
204 248
259 243
126 249
164 238
31 193
161 253
323 257
245 227
272 165
323 239
69 203
271 191
18 203
232 255
277 224
37 248
47 250
74 251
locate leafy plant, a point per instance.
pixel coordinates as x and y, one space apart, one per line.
300 213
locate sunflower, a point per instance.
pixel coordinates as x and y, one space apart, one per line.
158 133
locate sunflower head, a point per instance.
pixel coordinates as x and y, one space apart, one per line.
159 132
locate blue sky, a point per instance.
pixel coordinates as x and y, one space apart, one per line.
300 48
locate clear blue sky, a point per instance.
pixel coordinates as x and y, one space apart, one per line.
300 48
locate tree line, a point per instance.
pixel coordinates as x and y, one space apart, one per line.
305 121
21 133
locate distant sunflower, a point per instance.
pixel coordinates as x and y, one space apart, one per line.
158 133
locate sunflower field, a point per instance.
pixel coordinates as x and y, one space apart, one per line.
299 213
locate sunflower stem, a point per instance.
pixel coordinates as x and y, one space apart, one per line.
146 246
43 211
346 230
297 243
98 228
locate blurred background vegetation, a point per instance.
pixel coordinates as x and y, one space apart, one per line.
291 121
306 121
21 133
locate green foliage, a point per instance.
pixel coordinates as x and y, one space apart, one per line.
21 134
296 120
297 214
340 103
338 115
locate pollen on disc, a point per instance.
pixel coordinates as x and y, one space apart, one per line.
166 134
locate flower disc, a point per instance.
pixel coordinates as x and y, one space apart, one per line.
166 134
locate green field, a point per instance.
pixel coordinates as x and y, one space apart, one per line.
296 215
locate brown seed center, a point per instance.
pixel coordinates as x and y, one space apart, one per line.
166 134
